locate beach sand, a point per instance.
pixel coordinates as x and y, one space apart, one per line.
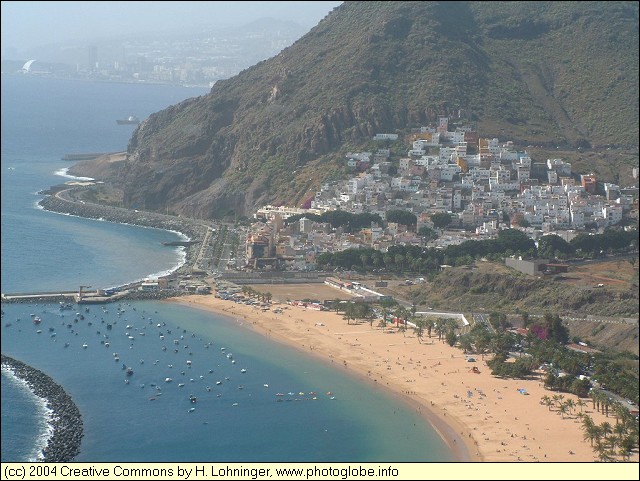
480 417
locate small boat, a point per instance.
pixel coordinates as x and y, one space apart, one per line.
192 398
279 394
243 370
129 371
192 409
181 384
84 346
218 383
168 379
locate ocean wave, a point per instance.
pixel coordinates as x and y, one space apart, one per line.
64 172
44 414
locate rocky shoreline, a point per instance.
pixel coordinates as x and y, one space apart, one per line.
64 443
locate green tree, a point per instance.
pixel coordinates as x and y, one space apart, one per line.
441 220
402 217
427 233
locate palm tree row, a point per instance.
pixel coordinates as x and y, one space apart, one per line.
563 406
358 311
607 441
610 442
262 296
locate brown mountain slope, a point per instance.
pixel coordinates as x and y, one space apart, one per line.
561 73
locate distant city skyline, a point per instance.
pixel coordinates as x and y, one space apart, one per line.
27 26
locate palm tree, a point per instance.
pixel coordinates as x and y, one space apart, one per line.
430 325
547 401
441 328
603 452
591 430
349 312
336 304
606 430
580 403
593 395
563 408
401 314
420 329
557 399
627 443
570 404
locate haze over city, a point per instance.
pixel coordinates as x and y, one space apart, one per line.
28 26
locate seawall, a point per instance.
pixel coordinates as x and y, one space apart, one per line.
64 444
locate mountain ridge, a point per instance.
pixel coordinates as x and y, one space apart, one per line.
275 131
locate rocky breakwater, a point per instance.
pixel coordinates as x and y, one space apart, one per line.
188 227
64 444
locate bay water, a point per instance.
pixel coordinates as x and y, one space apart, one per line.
176 353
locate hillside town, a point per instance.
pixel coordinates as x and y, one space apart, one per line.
481 186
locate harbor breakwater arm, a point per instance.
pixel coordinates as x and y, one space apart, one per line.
64 443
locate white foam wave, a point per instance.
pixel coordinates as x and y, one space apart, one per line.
65 173
44 415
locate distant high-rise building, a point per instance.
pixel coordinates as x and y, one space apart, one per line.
92 57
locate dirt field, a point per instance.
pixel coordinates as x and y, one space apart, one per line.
615 274
316 291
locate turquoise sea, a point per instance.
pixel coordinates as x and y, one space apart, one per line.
237 415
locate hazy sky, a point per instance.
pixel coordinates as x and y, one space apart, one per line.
31 24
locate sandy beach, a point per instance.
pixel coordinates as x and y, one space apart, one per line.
480 417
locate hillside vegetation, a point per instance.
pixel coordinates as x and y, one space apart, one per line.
541 73
492 287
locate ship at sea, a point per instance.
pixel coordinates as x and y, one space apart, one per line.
131 120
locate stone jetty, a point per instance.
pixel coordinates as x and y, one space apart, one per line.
64 444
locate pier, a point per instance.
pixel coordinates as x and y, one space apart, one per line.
79 297
39 296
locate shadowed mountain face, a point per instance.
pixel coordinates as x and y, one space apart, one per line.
554 73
